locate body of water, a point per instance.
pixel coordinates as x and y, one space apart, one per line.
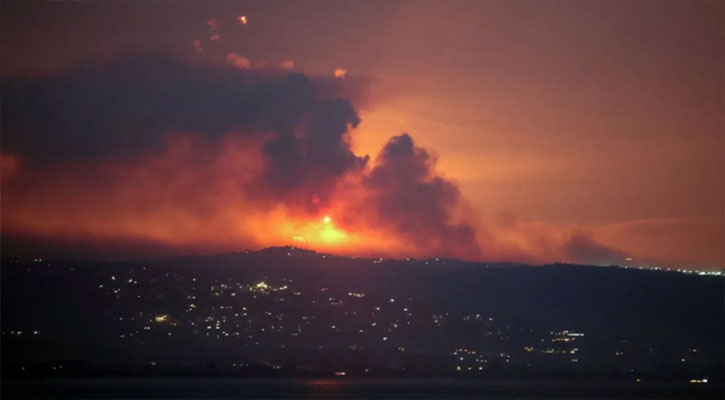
195 388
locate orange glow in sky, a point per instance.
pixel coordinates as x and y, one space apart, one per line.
319 234
596 121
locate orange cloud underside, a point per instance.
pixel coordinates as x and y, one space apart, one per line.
168 198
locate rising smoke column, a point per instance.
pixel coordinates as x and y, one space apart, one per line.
409 197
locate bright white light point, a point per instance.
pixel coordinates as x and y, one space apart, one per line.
242 19
326 219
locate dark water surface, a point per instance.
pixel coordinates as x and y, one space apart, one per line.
195 388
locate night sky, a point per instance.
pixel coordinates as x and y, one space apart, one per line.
586 132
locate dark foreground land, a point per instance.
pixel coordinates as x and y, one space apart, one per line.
287 322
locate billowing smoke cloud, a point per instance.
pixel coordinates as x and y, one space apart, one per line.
153 153
408 196
121 110
152 148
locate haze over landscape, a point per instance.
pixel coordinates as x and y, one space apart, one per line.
587 132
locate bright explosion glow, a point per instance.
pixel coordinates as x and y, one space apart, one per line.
324 233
